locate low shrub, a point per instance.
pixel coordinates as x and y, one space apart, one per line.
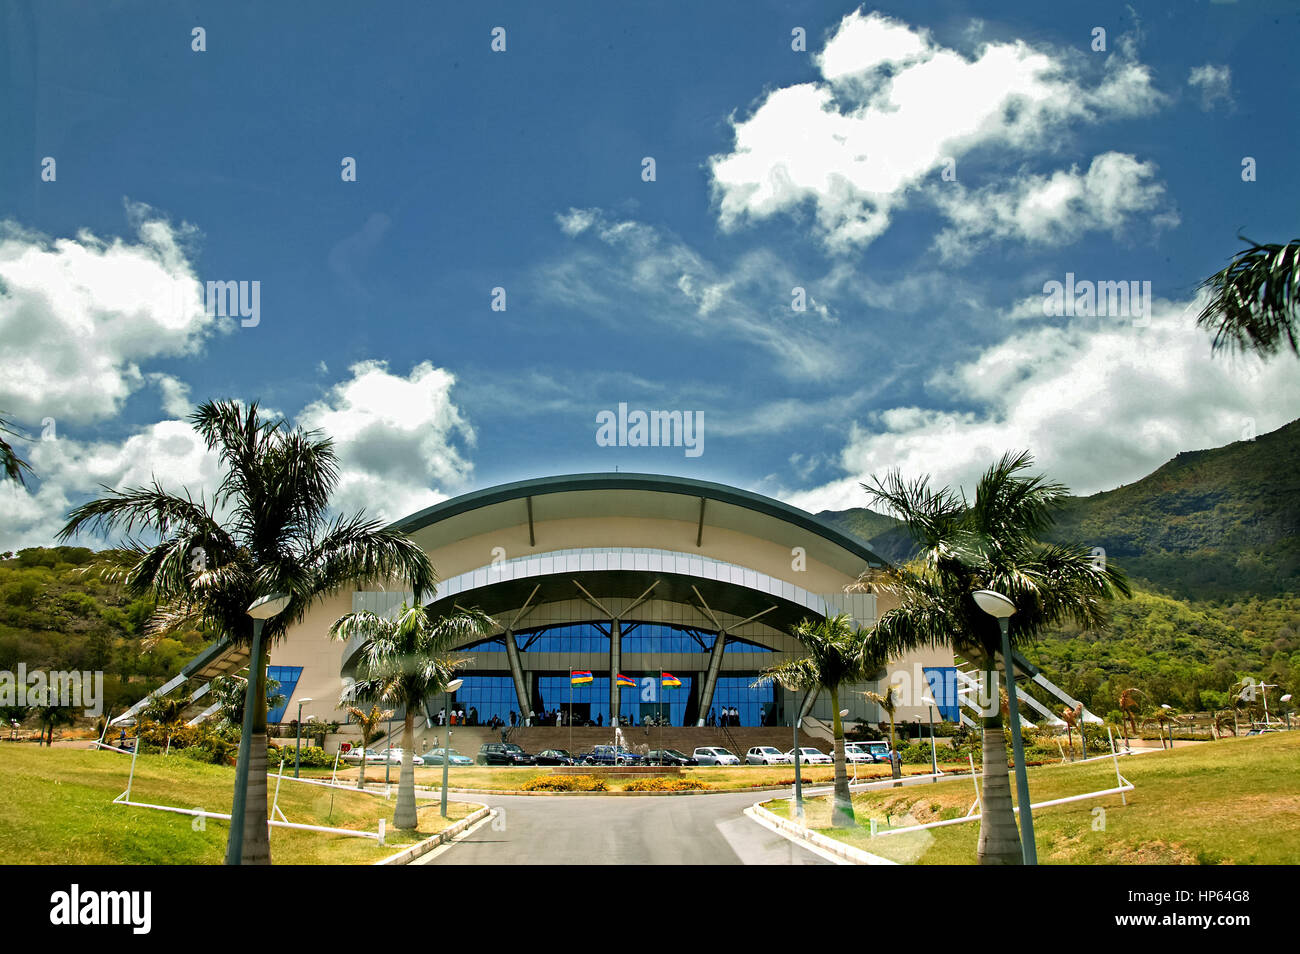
565 783
659 783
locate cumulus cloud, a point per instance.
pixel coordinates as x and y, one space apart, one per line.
1051 210
69 472
1214 83
1099 403
892 105
80 317
396 436
398 440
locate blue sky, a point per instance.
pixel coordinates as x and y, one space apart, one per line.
923 344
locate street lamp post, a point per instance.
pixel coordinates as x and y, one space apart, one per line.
1170 720
260 610
452 686
934 758
1001 608
297 750
798 776
1287 700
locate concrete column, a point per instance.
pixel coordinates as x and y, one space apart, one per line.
615 661
517 674
711 677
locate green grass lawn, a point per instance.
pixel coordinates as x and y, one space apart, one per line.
499 778
1234 801
59 811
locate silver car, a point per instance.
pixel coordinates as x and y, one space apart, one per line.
766 755
715 755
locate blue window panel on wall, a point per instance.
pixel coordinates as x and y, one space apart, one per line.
490 695
943 689
287 677
736 691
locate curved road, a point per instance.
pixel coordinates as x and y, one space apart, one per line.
642 830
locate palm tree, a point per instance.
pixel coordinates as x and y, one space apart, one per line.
1255 300
404 659
229 692
889 702
267 530
169 713
988 543
835 657
50 714
368 724
11 464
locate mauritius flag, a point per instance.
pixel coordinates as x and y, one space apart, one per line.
579 678
622 680
669 680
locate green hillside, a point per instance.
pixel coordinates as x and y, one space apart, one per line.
1208 525
1211 541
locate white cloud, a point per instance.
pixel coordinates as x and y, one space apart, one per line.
1099 403
79 317
1214 83
623 270
893 104
1051 210
68 472
395 436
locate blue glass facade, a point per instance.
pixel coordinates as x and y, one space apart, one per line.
493 693
287 677
754 706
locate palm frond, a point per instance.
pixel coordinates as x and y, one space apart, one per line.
1254 300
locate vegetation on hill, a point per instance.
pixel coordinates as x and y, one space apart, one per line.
1211 543
57 613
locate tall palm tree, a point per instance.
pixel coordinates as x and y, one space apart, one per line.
990 542
835 657
267 530
1255 300
368 725
404 659
11 465
889 702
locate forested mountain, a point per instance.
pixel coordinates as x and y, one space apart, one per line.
1219 524
1211 541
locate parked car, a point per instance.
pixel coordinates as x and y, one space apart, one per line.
669 757
610 755
373 756
715 755
853 752
503 753
393 756
555 757
810 756
877 751
434 757
766 755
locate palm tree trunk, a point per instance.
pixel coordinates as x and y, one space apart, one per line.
257 837
999 841
842 801
361 766
405 815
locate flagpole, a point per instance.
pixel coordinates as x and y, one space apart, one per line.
570 711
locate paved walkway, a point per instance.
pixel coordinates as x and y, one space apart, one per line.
603 830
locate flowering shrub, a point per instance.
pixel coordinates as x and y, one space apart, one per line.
565 783
661 784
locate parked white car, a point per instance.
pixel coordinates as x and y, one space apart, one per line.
714 755
810 756
766 755
373 756
854 754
